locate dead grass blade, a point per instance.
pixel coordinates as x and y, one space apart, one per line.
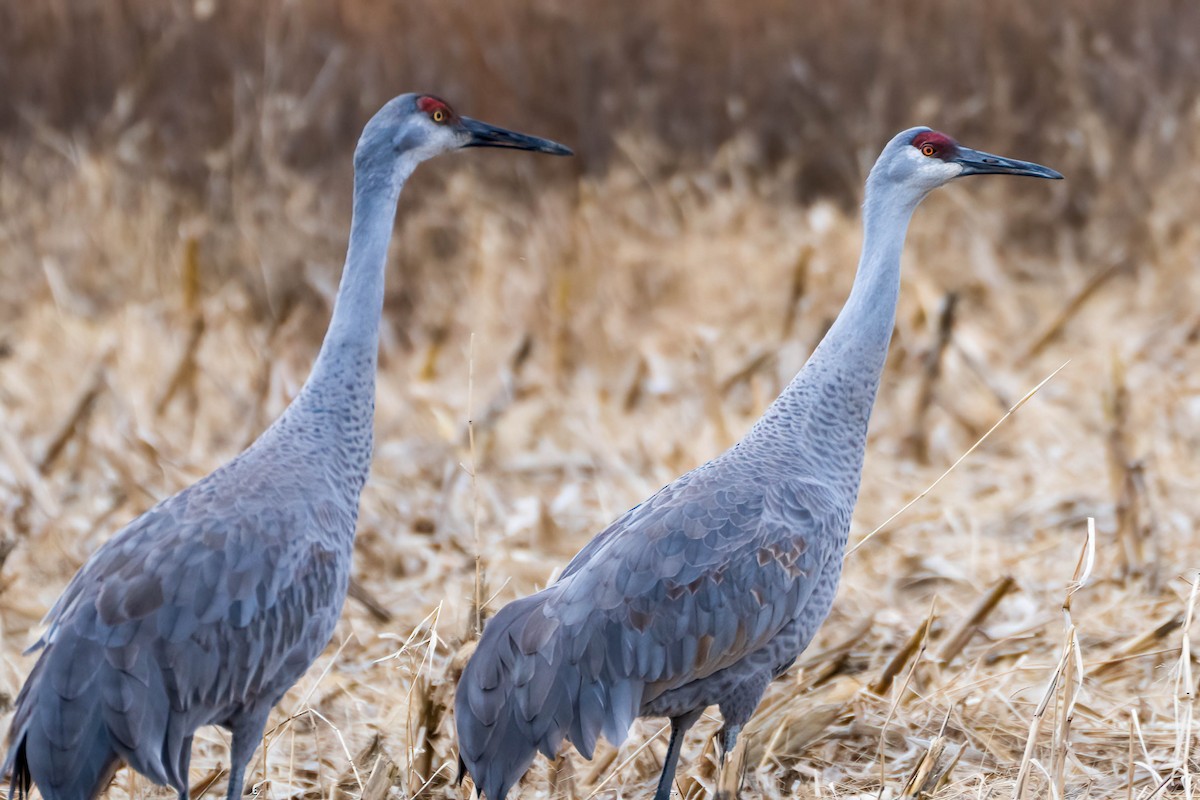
184 374
72 425
369 601
562 777
932 771
32 483
1025 399
895 704
370 753
1185 694
628 759
602 761
1127 478
1069 676
1035 726
915 643
783 736
1141 643
201 787
917 440
1056 325
475 619
958 639
426 713
799 287
382 778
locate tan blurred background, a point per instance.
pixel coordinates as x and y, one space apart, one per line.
174 205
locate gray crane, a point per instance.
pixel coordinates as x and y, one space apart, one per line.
712 587
208 607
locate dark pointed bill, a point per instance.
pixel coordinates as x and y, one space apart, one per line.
977 162
485 135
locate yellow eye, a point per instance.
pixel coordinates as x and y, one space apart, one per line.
928 150
439 116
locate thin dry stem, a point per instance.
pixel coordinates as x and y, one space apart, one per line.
1024 399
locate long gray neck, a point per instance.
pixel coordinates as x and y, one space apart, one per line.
818 425
351 345
329 426
857 342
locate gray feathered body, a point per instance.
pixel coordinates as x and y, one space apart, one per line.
708 590
208 607
699 596
205 609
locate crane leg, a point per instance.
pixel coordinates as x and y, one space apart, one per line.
247 733
181 770
726 740
679 726
737 707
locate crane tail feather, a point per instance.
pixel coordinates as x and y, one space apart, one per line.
62 736
83 771
527 688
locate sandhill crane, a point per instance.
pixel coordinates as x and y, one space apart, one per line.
208 607
712 587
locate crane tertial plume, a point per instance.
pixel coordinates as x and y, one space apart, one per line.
209 606
711 588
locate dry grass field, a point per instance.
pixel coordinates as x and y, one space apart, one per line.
563 337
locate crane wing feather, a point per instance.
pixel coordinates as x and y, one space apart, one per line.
192 612
695 579
699 576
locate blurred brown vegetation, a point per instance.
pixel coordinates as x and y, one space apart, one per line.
209 95
174 204
821 82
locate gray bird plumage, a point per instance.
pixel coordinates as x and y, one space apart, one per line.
208 607
709 590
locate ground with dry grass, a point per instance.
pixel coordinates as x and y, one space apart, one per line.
559 343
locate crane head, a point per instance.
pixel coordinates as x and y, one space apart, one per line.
415 127
922 159
935 145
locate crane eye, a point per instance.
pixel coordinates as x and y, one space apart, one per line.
928 150
438 116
